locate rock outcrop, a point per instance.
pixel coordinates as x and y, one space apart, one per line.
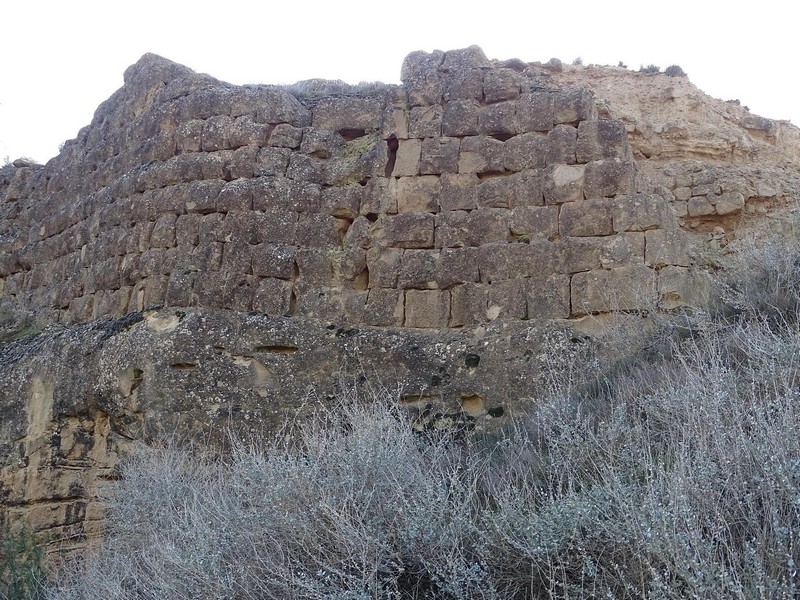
206 256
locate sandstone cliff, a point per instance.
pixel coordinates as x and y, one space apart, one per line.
206 256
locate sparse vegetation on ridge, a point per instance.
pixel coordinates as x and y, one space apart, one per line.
677 476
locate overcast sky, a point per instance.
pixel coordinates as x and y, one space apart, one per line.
61 59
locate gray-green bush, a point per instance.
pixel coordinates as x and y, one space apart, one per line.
677 476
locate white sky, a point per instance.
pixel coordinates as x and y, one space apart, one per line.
61 59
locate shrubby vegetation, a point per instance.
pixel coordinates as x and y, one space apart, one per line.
672 474
22 575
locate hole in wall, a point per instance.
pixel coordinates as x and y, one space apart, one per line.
350 134
276 349
503 137
183 366
393 144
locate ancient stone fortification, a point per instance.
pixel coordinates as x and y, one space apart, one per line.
214 255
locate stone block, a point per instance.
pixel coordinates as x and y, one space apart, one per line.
180 289
302 167
352 267
348 114
563 183
215 133
359 234
425 122
459 192
460 118
621 249
273 297
418 269
272 161
600 139
343 202
383 308
321 143
242 162
189 135
285 136
528 188
548 297
574 255
526 151
203 196
573 106
462 85
439 155
639 212
495 264
624 288
236 195
508 300
706 188
407 159
497 192
273 260
481 154
274 226
609 177
487 225
319 230
245 131
681 286
561 142
427 308
468 304
410 230
419 64
380 197
665 248
586 218
163 235
314 266
682 193
699 206
535 112
498 119
418 194
526 222
207 256
465 58
501 84
453 229
729 203
424 89
384 267
81 309
457 265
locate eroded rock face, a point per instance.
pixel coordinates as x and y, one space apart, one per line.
216 256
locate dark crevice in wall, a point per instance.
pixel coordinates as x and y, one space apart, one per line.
393 145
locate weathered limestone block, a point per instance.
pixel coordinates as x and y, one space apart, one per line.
407 160
528 188
497 192
561 143
380 197
315 267
548 296
215 133
453 229
458 192
410 230
460 118
163 235
602 139
457 265
573 255
666 247
508 300
273 297
275 227
321 143
427 308
418 269
384 308
526 151
419 75
245 131
240 226
535 112
315 229
384 266
236 195
563 183
273 260
621 249
639 212
498 119
586 218
273 161
324 303
481 154
681 286
609 177
729 203
301 167
573 106
352 267
526 222
208 256
343 202
468 304
699 206
242 162
462 59
348 114
624 288
495 263
425 122
462 84
418 194
501 84
284 135
439 155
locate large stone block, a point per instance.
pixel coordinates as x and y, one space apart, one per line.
602 139
384 266
468 304
439 155
508 300
501 84
407 159
666 247
273 260
535 112
459 192
419 74
236 195
624 288
526 222
410 230
274 226
427 308
573 106
621 249
681 286
273 297
457 265
481 154
348 115
315 267
586 218
609 177
215 133
563 183
464 84
343 202
425 122
272 161
498 119
460 118
497 192
574 255
384 308
526 151
285 136
548 297
418 194
418 269
561 143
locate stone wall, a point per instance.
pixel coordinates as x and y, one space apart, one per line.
472 192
